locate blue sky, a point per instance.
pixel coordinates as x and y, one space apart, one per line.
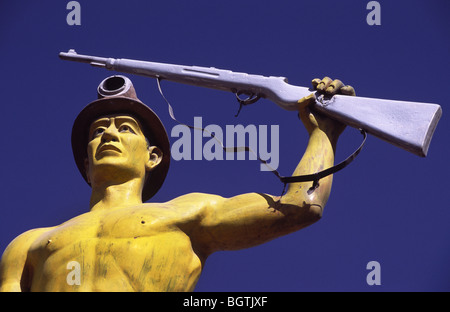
388 206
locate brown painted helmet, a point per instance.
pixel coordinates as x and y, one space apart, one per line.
116 94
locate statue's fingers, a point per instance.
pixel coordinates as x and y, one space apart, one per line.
348 90
334 87
315 82
324 83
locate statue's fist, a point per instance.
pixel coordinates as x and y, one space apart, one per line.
312 120
331 87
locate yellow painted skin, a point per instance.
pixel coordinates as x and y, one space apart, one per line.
123 244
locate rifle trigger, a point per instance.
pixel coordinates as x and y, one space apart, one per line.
252 98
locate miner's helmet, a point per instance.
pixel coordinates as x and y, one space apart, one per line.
116 95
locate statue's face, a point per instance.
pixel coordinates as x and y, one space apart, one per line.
118 147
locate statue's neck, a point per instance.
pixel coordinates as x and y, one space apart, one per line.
109 195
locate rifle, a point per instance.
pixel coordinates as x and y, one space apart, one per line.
408 125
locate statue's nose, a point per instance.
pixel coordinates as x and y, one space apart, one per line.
110 134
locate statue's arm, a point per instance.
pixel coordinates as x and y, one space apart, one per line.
250 219
13 262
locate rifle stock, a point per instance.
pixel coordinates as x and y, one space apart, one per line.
408 125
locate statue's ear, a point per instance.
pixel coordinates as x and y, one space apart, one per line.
155 157
86 170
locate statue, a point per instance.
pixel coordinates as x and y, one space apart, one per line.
126 244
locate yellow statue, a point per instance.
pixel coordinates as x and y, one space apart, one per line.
123 244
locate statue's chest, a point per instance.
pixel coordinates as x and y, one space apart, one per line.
125 247
137 223
90 229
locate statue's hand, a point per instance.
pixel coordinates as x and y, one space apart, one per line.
313 120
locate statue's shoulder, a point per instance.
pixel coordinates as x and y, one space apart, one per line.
30 234
24 240
188 204
195 199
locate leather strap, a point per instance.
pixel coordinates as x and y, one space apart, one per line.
315 177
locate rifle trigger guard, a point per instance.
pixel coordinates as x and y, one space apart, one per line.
252 98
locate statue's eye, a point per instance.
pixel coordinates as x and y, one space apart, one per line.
98 132
126 128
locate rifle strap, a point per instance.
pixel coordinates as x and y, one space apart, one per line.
314 177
